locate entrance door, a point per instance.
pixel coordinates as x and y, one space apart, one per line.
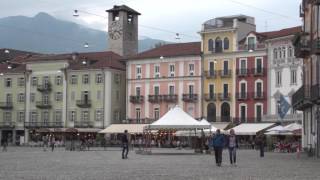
225 112
211 112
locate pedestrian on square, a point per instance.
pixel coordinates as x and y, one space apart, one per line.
4 142
125 145
52 142
218 144
45 140
232 145
261 142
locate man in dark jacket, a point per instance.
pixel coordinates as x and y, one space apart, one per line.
218 144
125 145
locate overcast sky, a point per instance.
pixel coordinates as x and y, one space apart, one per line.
181 16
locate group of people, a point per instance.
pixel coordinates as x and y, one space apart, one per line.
48 140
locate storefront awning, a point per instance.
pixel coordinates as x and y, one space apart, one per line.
119 128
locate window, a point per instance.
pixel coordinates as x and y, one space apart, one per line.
45 99
74 79
278 78
98 78
225 68
58 80
191 111
73 96
21 116
225 91
275 53
211 68
251 43
283 52
45 117
45 80
156 113
85 79
258 113
7 116
9 98
138 72
259 90
58 96
58 116
243 113
258 66
156 71
210 45
226 43
243 91
117 78
34 117
156 90
191 69
8 82
290 52
85 116
21 82
99 95
99 115
116 115
34 81
191 89
171 70
20 97
211 91
138 91
293 79
280 53
73 115
171 90
218 45
138 114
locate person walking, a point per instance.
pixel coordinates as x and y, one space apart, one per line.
125 145
45 140
4 142
232 144
218 144
52 142
260 142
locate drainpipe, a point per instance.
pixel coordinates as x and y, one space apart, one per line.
103 96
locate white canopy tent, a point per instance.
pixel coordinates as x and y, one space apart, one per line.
251 128
277 128
293 127
204 122
177 119
119 128
277 133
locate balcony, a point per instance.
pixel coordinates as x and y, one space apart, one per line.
84 103
315 94
44 124
7 124
6 105
301 99
242 72
210 74
43 104
45 88
155 98
242 96
171 98
301 45
210 97
225 73
258 71
136 99
224 97
316 46
83 124
259 95
190 97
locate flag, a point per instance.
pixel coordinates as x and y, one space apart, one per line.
284 107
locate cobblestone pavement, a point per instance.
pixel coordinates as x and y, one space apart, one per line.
34 164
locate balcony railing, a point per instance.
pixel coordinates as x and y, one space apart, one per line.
6 105
172 98
43 104
242 72
211 74
259 95
242 96
84 103
224 97
155 98
7 124
302 45
210 97
44 124
225 73
258 71
136 99
190 97
315 93
83 124
44 88
301 99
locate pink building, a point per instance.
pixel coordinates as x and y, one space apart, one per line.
160 78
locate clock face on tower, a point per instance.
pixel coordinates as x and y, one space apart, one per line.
115 30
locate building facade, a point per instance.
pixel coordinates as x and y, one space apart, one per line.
306 98
220 37
251 79
160 78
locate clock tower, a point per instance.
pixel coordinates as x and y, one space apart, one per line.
123 30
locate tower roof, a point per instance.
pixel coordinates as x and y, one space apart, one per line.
123 8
